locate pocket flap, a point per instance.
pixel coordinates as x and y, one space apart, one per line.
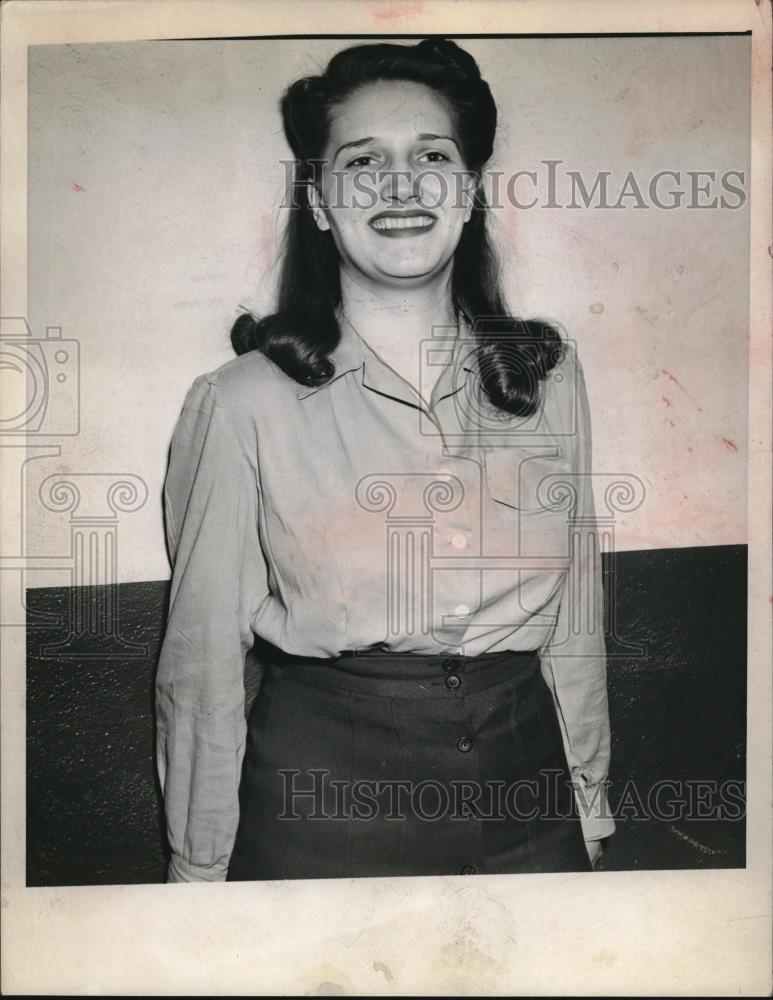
530 480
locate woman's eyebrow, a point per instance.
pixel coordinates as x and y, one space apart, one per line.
355 143
431 137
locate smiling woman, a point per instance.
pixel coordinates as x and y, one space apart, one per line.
388 488
406 172
395 210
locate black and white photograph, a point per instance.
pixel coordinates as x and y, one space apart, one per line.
386 496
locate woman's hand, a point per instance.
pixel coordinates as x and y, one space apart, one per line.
595 849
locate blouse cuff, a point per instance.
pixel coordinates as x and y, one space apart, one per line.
181 870
593 806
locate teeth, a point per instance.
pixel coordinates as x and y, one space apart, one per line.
413 222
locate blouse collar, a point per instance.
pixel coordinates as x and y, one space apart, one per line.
353 353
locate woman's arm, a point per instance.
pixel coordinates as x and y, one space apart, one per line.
574 659
219 578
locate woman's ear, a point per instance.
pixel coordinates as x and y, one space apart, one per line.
317 211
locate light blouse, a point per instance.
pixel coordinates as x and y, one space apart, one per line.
348 515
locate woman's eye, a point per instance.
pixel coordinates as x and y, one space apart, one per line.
437 156
360 161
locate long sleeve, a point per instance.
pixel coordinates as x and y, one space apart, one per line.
219 578
574 658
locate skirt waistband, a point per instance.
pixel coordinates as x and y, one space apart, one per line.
415 675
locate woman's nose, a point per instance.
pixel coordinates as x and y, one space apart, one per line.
399 183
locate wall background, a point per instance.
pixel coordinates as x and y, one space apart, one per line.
154 190
154 193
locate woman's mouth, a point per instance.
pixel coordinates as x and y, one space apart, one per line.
400 224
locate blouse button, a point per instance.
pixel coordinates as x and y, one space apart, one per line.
464 744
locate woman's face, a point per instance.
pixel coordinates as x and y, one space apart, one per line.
394 189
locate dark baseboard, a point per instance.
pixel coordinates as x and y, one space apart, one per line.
678 711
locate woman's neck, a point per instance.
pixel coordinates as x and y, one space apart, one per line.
393 322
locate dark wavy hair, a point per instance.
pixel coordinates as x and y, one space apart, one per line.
513 355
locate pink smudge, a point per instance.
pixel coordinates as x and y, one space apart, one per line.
265 238
730 445
392 13
666 400
676 381
689 449
76 187
673 378
587 243
511 225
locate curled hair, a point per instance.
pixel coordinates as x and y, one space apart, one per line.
514 355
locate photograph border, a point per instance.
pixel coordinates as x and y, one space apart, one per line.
610 933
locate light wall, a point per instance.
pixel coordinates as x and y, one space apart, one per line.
154 190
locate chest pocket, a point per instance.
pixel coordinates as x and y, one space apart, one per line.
534 499
530 480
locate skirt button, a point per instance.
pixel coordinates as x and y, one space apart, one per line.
453 681
464 744
469 870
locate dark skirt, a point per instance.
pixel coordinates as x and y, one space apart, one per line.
377 764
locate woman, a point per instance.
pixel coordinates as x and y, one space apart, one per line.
388 488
